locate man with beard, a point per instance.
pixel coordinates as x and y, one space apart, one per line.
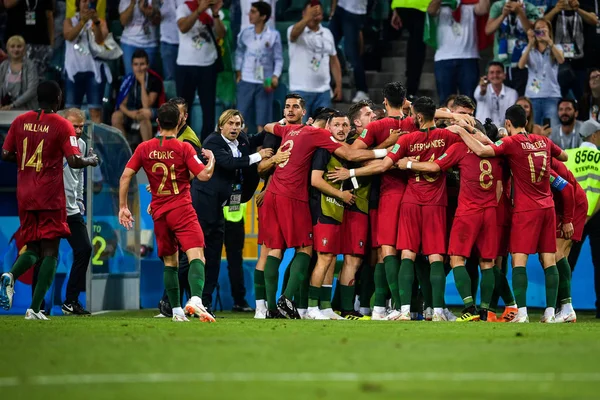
566 136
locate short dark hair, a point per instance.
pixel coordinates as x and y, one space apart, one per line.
337 114
309 3
323 113
516 115
140 53
168 116
179 101
465 101
355 108
573 103
426 106
263 8
395 93
297 97
48 94
450 99
491 130
495 64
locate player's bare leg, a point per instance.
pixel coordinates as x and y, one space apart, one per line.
566 313
487 284
194 305
49 253
463 285
324 261
171 280
259 284
21 265
298 272
272 281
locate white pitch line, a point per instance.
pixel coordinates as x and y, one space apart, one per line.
83 379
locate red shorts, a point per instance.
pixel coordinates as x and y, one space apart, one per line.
178 228
578 223
43 224
533 232
422 229
373 215
261 226
388 217
354 233
473 230
287 222
503 239
327 237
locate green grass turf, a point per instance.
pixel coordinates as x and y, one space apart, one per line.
136 343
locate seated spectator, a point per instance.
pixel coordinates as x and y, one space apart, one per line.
568 22
531 127
492 96
258 65
34 21
313 59
139 97
86 76
18 78
509 22
590 102
566 135
169 38
140 21
542 57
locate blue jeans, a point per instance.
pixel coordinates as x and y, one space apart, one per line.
255 103
546 108
85 85
456 76
168 54
314 100
348 25
128 51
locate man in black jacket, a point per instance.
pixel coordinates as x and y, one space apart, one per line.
235 171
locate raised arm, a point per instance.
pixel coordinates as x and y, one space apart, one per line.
475 145
358 155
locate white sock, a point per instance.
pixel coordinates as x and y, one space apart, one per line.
522 311
567 308
178 311
379 310
261 304
405 309
549 311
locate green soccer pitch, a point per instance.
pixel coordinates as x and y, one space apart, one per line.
130 355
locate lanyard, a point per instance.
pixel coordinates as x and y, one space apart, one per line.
575 20
36 3
571 139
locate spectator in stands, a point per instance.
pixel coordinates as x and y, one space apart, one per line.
568 22
531 127
566 135
347 19
590 102
313 59
140 20
509 22
542 57
34 21
18 78
86 76
139 97
591 34
200 27
410 15
169 38
258 66
457 54
246 6
492 96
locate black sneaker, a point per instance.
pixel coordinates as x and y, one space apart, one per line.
244 307
164 307
275 315
74 308
287 307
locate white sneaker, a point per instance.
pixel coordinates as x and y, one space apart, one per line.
563 317
449 315
393 315
428 314
7 290
404 316
360 95
329 313
179 318
315 313
260 314
302 313
30 314
365 311
440 316
194 306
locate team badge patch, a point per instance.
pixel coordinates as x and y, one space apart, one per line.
361 244
395 148
324 241
499 142
363 134
73 140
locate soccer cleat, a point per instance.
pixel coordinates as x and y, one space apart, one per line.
355 316
520 318
375 316
563 317
74 308
469 314
260 314
195 307
392 315
315 313
449 315
509 314
440 316
404 316
302 313
7 290
287 308
245 307
428 314
275 315
329 313
30 314
164 307
179 318
548 319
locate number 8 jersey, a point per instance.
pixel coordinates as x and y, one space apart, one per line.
41 140
167 163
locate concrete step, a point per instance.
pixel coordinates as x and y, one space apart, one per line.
374 78
398 48
397 65
427 85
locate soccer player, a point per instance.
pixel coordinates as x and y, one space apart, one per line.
37 141
287 218
168 163
533 221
